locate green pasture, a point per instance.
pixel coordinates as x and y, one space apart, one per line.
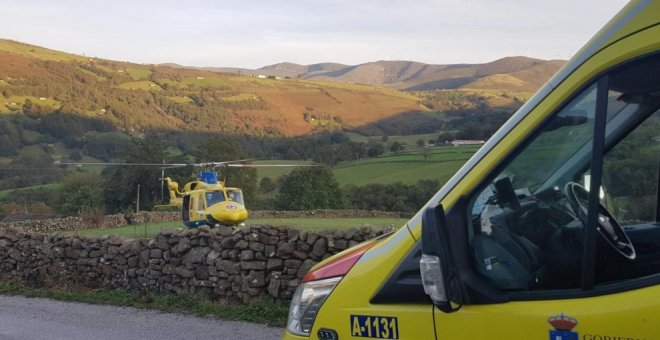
327 84
254 81
204 82
140 85
32 151
37 52
53 186
149 230
138 73
105 68
31 136
406 167
409 140
98 77
398 170
16 102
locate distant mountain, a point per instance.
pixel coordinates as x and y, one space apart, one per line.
295 70
521 74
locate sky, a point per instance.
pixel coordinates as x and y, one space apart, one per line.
256 33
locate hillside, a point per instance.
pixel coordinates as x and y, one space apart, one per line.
520 74
139 97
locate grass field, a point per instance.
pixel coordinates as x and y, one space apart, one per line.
37 52
18 101
140 85
54 186
149 230
406 167
138 73
409 140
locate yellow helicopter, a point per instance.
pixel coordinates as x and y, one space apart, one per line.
207 200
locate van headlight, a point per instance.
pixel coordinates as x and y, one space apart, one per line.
306 302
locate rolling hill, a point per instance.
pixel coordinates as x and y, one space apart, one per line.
138 97
521 74
516 74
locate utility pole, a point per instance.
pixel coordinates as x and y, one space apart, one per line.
162 181
138 200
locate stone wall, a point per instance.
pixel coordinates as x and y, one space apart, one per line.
118 220
68 223
232 264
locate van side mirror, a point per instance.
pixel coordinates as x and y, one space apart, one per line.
438 272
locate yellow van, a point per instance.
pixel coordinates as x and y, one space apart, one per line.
550 231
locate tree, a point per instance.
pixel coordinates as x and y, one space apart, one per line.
426 153
325 155
396 146
309 188
10 140
375 149
75 155
81 192
420 143
31 169
267 185
121 183
445 137
390 197
358 150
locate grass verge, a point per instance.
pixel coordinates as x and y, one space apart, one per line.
270 312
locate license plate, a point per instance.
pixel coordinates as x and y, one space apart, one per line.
371 326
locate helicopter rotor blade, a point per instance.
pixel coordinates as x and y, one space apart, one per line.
160 165
224 163
232 164
267 165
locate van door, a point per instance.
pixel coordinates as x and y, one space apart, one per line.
566 229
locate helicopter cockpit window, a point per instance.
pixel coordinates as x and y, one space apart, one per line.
213 197
235 196
527 225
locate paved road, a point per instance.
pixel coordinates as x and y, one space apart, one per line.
36 318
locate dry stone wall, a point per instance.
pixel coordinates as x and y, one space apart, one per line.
232 264
117 220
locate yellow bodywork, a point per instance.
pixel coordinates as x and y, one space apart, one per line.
635 31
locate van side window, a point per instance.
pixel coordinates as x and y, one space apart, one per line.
630 191
527 223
